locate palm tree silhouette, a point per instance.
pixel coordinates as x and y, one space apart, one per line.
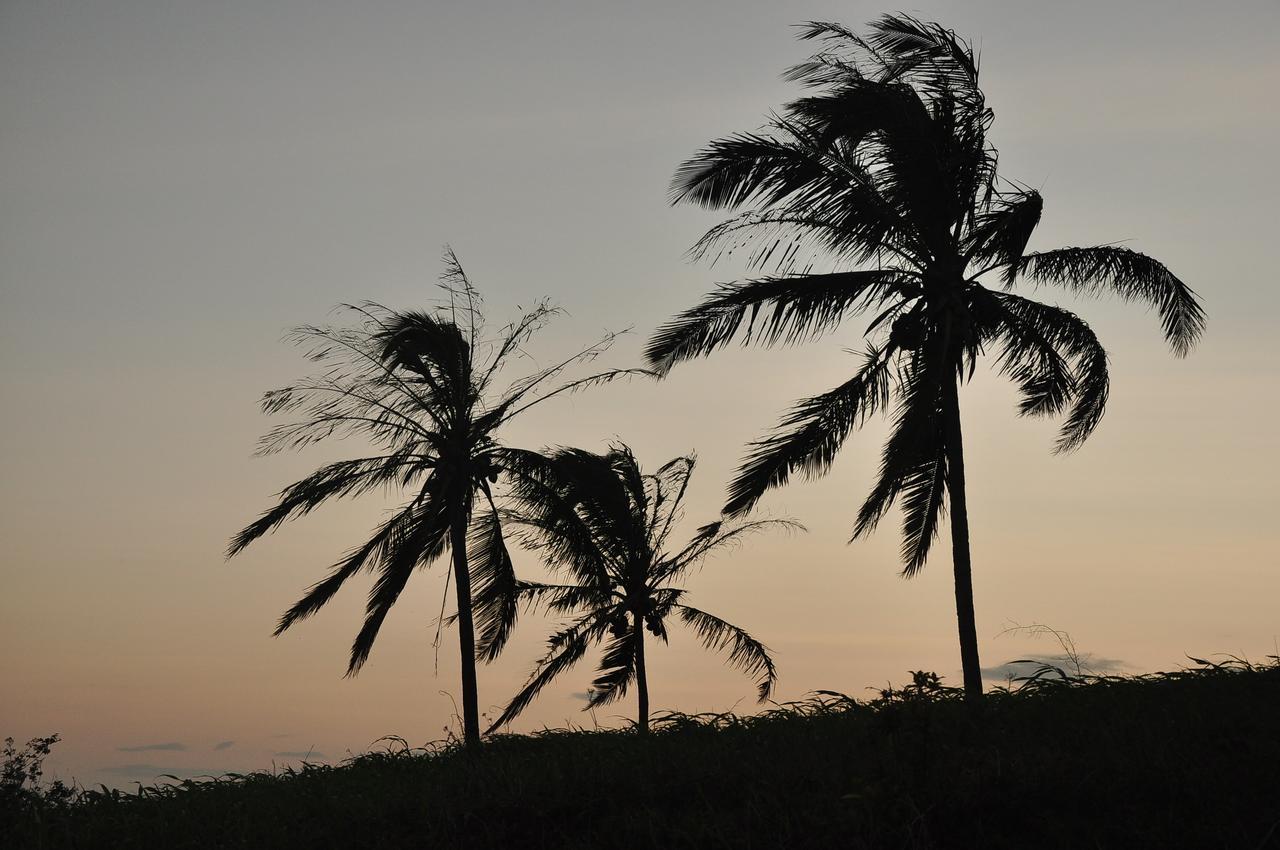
420 387
606 523
886 167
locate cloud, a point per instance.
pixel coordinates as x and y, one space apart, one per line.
171 746
309 755
224 745
1027 666
582 695
153 771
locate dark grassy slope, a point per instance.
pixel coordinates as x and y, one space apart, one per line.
1179 760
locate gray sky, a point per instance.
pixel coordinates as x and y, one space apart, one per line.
183 181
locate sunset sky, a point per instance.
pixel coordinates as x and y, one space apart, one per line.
181 182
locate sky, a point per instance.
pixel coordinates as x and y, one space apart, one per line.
184 181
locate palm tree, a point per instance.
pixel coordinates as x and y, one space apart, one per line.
419 386
885 169
605 523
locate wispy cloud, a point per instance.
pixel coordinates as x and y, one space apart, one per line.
152 771
310 755
224 745
1028 665
171 746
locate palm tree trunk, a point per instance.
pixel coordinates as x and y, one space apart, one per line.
466 633
642 683
960 545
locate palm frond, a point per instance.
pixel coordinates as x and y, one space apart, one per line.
792 237
716 537
1090 376
545 519
1000 235
733 170
335 480
811 435
494 587
1129 274
609 493
928 54
562 598
372 552
795 309
430 347
745 652
514 402
901 47
617 670
668 485
582 507
1035 348
420 543
923 487
514 335
565 649
915 442
353 353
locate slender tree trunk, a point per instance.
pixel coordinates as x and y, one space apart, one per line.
960 545
466 633
642 683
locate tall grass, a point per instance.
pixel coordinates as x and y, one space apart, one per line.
1183 759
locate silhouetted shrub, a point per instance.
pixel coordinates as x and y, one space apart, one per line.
1189 759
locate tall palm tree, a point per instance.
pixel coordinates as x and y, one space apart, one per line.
601 520
420 387
885 169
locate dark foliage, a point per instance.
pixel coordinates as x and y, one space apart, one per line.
888 164
604 524
885 169
1182 760
423 389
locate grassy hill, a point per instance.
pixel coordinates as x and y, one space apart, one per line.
1186 759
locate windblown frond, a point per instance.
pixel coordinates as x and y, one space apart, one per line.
417 385
617 671
1132 276
900 47
1035 351
810 436
373 552
733 170
795 308
563 598
418 544
717 537
564 649
344 478
666 489
545 519
493 582
1000 234
1071 335
885 165
602 520
912 462
745 652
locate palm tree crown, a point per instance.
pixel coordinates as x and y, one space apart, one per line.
886 168
420 387
602 521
